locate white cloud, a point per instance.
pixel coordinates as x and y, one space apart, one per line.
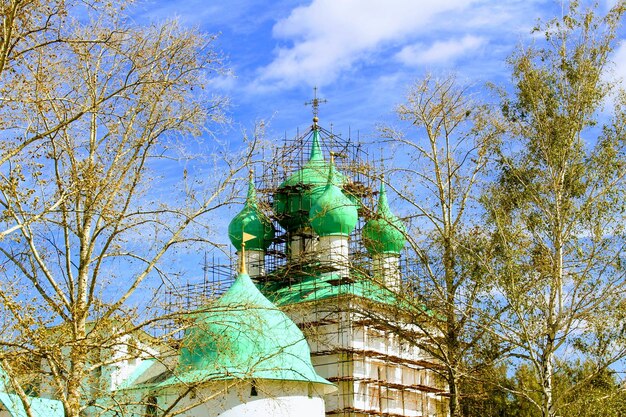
440 51
329 36
223 82
619 62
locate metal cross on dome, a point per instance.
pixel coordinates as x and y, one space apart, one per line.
315 103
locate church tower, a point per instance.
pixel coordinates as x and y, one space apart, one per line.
334 267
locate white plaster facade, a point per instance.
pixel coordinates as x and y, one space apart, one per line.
270 398
374 371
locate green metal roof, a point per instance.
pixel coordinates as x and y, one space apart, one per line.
300 190
251 220
385 233
140 371
244 336
312 285
41 407
333 213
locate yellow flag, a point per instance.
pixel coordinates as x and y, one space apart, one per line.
247 236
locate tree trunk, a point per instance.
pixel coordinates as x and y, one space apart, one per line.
547 406
455 394
75 380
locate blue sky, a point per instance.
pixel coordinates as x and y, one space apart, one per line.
362 54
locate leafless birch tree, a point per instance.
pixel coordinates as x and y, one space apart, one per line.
448 149
93 196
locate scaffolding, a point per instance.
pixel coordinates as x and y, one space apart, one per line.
375 373
351 159
177 300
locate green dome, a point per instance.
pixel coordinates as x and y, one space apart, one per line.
385 233
251 220
296 195
244 336
333 213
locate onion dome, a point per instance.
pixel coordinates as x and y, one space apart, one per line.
296 195
385 233
333 213
251 221
244 336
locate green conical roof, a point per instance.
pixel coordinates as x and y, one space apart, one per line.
244 336
385 233
298 192
333 213
251 220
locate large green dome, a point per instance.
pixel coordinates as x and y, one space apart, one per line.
244 336
333 213
251 220
296 195
385 233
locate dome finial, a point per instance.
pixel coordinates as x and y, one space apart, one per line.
251 200
242 261
383 204
316 150
331 169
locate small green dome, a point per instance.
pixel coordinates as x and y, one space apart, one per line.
251 220
385 233
333 213
244 336
296 195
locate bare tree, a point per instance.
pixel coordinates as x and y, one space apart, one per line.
94 189
30 30
448 154
557 207
34 36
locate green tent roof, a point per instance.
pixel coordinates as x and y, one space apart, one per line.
41 407
320 287
385 233
251 220
244 336
310 284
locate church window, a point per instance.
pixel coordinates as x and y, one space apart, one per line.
151 407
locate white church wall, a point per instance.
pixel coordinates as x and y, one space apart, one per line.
273 398
381 372
334 251
121 361
303 245
255 262
341 399
331 365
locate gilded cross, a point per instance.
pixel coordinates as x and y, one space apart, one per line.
315 103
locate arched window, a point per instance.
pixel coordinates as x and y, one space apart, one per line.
152 406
